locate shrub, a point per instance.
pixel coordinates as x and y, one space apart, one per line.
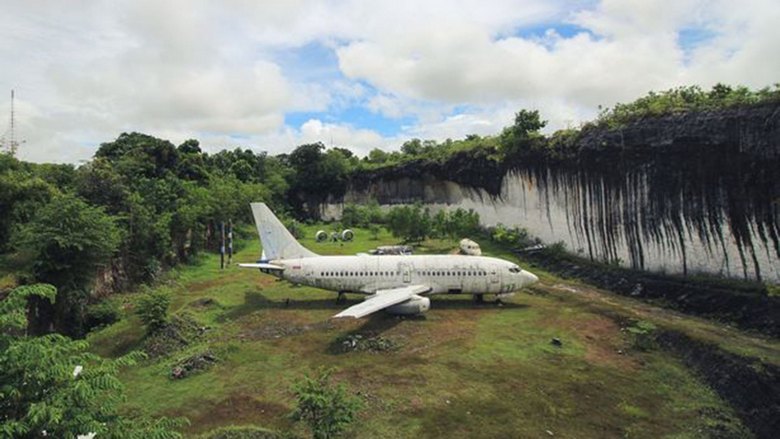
642 335
514 236
153 310
102 314
325 408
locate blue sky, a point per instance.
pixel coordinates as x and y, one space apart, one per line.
273 75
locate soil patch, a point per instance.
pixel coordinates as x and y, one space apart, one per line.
236 409
275 329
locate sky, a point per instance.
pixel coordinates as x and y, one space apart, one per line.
271 75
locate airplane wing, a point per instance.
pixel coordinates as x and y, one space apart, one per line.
383 299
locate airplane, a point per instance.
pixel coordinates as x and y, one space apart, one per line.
399 284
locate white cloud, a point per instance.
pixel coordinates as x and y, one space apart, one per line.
86 71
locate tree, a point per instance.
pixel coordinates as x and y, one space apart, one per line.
317 174
377 156
52 386
153 310
325 408
411 223
454 224
138 155
412 147
66 242
21 195
517 138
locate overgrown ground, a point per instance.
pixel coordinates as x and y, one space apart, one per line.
462 370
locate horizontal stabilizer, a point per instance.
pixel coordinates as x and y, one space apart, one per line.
262 266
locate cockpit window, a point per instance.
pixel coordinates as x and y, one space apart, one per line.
515 269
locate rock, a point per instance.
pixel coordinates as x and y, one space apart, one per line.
556 342
361 343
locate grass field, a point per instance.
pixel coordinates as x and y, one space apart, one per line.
462 370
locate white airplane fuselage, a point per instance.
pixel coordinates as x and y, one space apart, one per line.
397 284
453 274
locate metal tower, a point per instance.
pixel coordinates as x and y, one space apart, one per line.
8 141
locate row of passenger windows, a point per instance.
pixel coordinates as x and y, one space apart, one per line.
398 273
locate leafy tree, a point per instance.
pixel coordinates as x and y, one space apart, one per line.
456 223
21 195
153 310
66 242
355 215
377 156
513 236
516 138
52 386
325 408
410 223
101 184
317 175
140 155
412 147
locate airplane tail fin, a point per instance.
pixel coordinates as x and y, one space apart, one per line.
278 242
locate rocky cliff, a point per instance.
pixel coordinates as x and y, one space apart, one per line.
753 130
686 192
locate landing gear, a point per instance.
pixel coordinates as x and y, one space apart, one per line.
340 297
479 298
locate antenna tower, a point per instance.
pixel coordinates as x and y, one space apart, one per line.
9 141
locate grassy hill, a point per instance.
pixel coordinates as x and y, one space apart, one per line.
462 370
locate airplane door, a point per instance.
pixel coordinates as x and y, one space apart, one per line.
406 272
493 276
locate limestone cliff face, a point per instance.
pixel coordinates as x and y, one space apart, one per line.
682 193
752 130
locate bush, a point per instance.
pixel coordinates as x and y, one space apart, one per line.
454 224
354 215
102 314
642 335
411 223
153 310
514 237
325 408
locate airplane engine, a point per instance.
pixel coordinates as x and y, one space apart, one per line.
347 235
321 236
415 305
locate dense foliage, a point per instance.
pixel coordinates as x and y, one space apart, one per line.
140 205
415 223
687 98
325 408
51 386
152 308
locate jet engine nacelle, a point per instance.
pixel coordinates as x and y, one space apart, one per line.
347 235
415 305
321 236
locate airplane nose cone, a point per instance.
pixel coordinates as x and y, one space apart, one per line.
529 278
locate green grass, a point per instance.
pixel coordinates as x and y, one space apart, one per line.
462 370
